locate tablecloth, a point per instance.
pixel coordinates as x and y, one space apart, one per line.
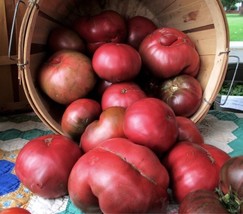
222 129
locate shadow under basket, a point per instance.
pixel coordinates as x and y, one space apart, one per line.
203 21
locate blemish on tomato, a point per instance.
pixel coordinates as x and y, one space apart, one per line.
48 141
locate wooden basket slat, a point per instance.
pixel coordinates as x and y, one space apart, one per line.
192 15
204 41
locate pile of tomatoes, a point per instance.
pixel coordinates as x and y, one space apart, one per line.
129 88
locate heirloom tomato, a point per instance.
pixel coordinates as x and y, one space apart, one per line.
119 176
121 94
201 201
138 28
188 131
152 123
116 62
63 38
66 76
192 167
231 184
96 30
183 94
168 52
43 165
109 125
78 115
14 210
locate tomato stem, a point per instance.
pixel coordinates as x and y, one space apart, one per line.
230 201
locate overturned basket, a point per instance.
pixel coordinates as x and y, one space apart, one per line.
203 20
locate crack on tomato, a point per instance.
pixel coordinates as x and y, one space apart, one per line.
132 165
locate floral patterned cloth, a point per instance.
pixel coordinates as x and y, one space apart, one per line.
222 129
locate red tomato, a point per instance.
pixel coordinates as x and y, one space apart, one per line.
152 123
121 94
107 26
183 94
78 115
168 52
63 38
109 125
119 176
188 131
67 76
192 167
43 165
201 201
116 62
138 28
14 210
231 184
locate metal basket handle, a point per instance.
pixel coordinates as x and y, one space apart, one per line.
12 29
232 81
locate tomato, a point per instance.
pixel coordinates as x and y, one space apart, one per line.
14 210
119 176
78 115
188 131
121 94
116 62
66 76
107 26
109 125
201 201
138 28
152 123
43 165
183 94
168 52
63 38
192 167
231 184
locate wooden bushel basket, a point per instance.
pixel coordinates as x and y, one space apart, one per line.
203 20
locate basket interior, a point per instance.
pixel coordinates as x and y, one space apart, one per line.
203 20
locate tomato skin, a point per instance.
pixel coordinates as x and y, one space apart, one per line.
131 179
183 94
66 76
105 27
152 123
43 165
63 38
116 62
191 167
201 201
138 28
231 182
168 52
188 131
78 115
121 94
109 125
14 210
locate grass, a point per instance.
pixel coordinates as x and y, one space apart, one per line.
235 22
